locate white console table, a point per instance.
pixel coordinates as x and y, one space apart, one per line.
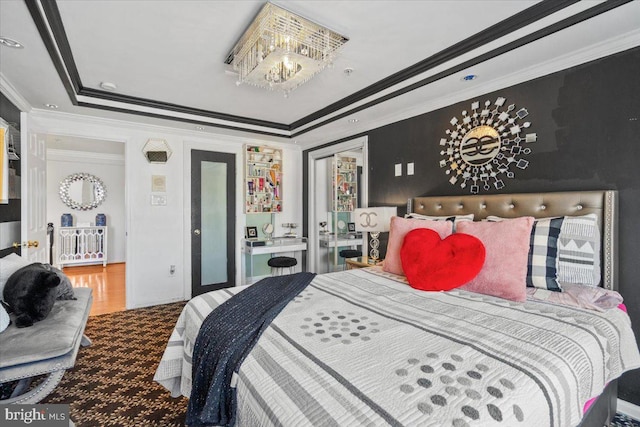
276 245
82 245
335 242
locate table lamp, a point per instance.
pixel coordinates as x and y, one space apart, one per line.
374 221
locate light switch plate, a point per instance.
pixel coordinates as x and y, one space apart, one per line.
410 168
158 200
398 169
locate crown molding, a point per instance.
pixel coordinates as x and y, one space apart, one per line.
51 27
13 95
96 127
85 157
576 58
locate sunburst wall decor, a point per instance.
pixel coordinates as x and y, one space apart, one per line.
486 145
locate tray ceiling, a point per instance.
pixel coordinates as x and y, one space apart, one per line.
167 59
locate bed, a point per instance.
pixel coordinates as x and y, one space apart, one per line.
362 347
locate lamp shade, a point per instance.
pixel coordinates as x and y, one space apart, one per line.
374 219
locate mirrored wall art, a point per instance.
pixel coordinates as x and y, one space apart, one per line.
82 191
486 145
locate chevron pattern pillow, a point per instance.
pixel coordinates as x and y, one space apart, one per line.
579 250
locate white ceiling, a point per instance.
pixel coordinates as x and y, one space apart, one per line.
172 53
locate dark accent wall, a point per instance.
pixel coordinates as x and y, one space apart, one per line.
11 211
587 119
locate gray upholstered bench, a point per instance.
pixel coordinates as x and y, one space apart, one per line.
48 347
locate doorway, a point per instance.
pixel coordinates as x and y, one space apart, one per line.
69 155
322 206
213 203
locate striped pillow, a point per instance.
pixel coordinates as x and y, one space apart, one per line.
579 251
542 266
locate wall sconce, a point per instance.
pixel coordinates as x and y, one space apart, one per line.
157 151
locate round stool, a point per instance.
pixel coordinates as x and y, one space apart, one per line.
349 253
279 263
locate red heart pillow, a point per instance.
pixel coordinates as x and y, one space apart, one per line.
434 264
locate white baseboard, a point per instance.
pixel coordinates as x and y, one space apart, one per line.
629 409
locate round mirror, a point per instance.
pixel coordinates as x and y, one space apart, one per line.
267 228
82 191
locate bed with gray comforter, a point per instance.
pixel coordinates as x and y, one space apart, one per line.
361 347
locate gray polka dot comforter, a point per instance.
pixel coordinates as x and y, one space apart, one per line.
361 347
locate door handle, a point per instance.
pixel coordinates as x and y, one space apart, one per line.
196 231
27 244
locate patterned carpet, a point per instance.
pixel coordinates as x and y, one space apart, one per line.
112 382
622 420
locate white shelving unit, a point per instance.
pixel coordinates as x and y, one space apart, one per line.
263 179
344 184
82 245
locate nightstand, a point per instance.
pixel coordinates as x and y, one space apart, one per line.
360 262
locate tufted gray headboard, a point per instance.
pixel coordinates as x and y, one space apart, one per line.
539 205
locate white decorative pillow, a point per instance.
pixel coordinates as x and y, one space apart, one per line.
453 218
579 250
9 265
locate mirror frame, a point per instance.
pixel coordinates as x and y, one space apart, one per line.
99 190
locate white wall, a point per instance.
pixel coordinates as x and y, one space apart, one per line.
110 170
159 236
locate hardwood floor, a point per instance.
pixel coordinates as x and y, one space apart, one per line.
108 284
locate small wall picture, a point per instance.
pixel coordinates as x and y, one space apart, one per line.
158 183
351 226
251 232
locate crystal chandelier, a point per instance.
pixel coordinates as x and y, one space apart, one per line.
281 50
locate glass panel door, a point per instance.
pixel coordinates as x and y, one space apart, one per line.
212 220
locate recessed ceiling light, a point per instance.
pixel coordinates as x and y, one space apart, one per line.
199 127
10 43
469 77
108 86
52 106
354 120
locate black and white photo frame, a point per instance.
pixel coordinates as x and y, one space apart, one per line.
251 232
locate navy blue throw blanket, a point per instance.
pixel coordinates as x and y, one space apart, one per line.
226 337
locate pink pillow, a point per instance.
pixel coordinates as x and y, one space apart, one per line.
504 273
399 228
